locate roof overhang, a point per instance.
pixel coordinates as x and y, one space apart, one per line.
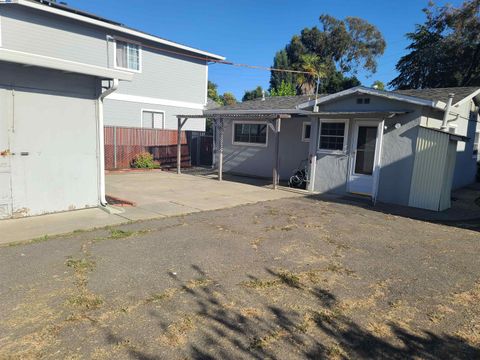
252 112
291 112
440 105
111 26
28 59
237 115
355 114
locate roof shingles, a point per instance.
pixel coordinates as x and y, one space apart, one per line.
291 102
440 93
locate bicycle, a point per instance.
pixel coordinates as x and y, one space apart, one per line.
299 178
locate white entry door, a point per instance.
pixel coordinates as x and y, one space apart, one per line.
365 145
5 182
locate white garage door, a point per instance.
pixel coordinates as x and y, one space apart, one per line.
54 153
5 181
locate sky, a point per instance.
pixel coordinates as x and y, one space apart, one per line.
252 31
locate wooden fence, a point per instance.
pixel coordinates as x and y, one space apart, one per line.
122 144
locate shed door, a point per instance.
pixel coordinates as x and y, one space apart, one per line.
5 183
364 156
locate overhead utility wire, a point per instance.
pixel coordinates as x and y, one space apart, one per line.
224 62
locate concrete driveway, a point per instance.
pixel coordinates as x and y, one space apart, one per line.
160 193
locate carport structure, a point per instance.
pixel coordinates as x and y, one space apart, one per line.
219 117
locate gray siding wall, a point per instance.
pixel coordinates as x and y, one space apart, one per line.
258 161
54 118
163 76
397 151
128 114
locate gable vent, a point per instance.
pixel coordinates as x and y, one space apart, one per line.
363 101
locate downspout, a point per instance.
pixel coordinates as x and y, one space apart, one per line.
447 112
101 141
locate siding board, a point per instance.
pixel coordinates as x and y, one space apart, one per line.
429 169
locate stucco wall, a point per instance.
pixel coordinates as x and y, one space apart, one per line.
53 139
396 156
258 161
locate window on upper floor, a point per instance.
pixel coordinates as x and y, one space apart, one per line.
153 119
127 56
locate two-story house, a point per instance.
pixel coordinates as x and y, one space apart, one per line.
64 74
169 78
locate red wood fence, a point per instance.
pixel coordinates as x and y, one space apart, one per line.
122 144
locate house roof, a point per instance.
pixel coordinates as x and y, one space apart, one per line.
27 59
441 93
69 12
435 98
271 102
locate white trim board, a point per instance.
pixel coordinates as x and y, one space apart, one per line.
107 25
28 59
154 101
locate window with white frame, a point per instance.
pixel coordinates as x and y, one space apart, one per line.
127 55
332 135
250 133
306 129
153 119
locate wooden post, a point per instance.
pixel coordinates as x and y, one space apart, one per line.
114 147
276 165
179 145
220 149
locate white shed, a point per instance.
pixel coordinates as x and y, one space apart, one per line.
51 134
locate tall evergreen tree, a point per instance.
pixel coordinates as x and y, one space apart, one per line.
337 48
444 51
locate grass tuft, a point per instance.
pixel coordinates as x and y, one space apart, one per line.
119 234
83 264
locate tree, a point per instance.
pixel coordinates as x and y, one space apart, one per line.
444 51
212 92
281 61
378 85
337 82
337 48
253 94
228 99
285 89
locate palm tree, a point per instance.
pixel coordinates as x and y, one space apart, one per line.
317 70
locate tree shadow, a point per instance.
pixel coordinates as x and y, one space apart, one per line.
277 331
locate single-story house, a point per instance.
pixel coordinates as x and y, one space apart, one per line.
51 133
408 147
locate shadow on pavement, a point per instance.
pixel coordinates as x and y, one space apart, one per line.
226 333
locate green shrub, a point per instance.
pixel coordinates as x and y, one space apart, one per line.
143 160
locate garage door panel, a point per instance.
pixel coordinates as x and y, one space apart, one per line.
5 183
55 144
